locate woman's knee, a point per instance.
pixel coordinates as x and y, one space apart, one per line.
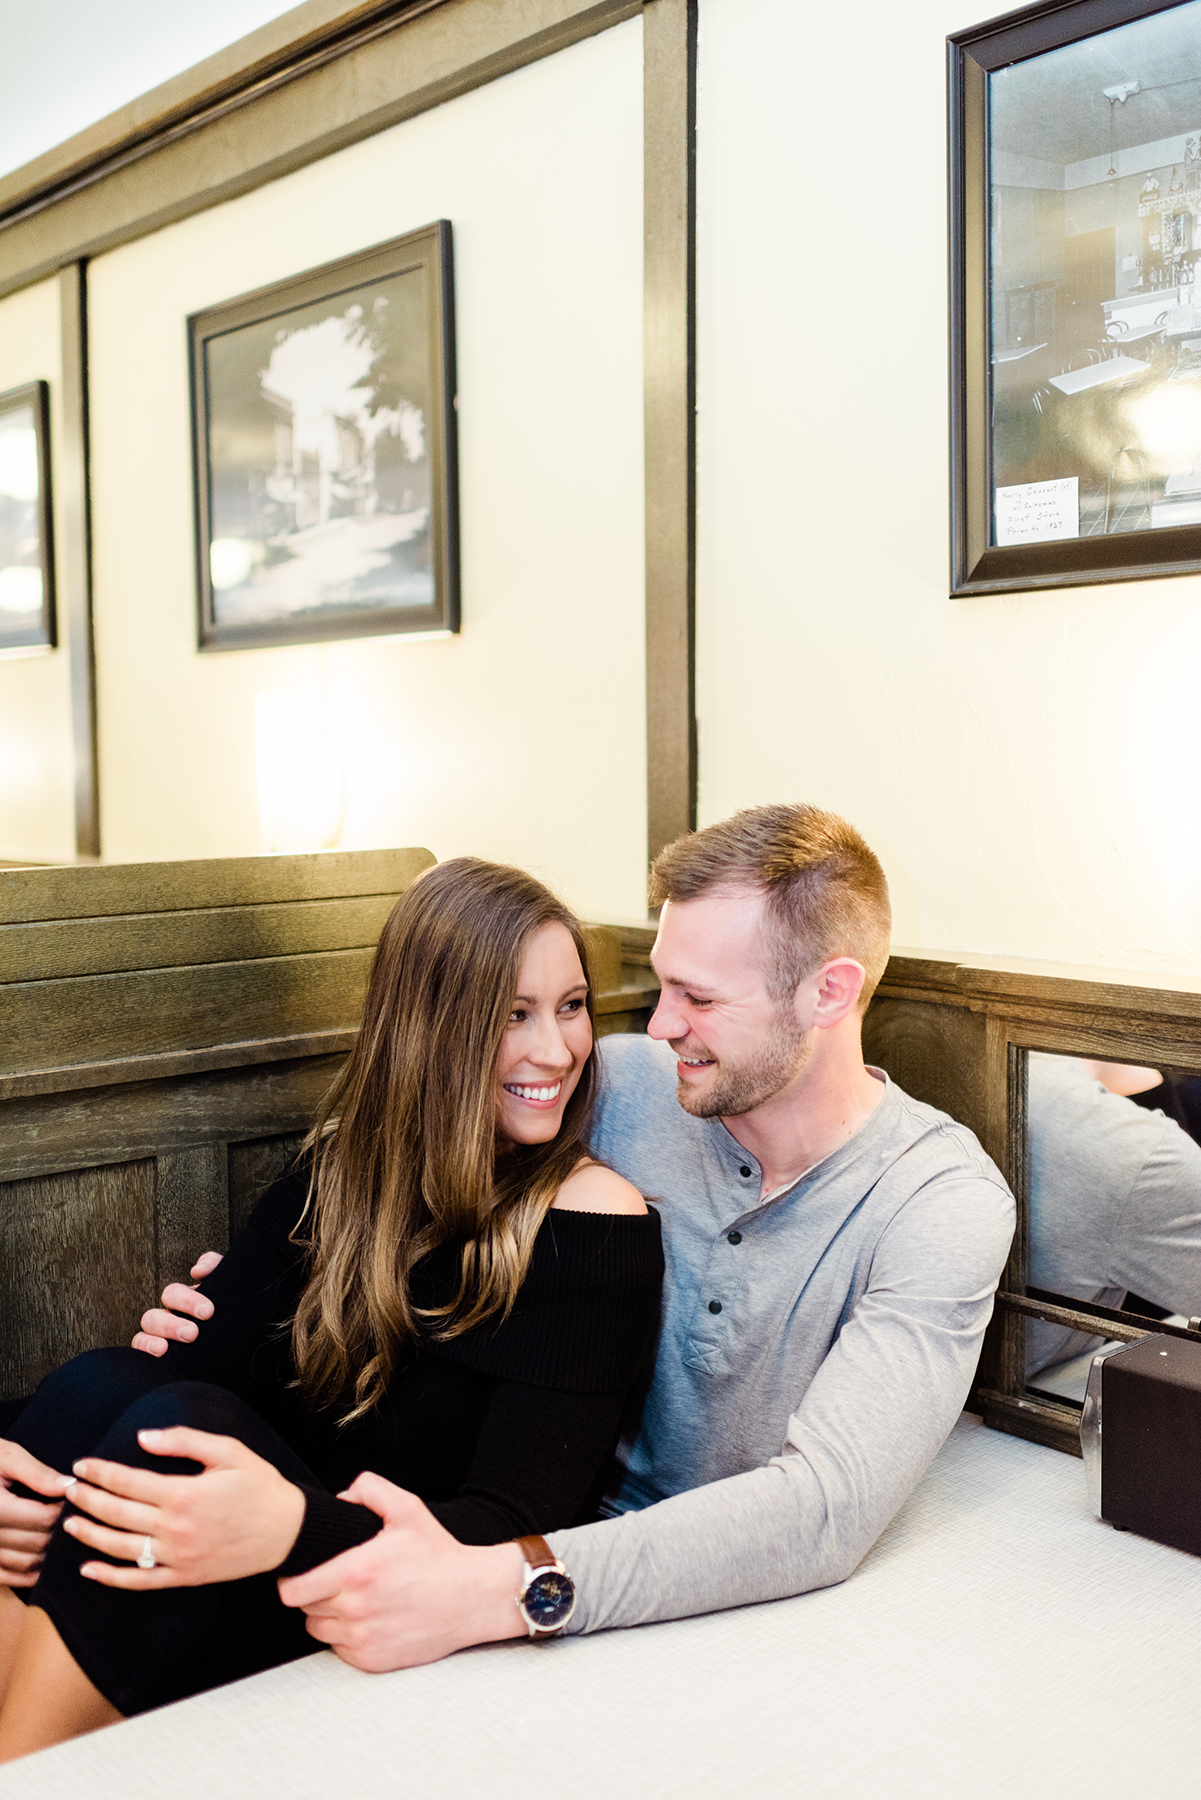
198 1404
100 1379
77 1403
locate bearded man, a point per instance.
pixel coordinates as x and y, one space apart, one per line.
832 1251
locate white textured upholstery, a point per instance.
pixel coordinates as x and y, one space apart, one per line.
998 1641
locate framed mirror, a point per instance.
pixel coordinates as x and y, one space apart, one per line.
1086 1092
1113 1202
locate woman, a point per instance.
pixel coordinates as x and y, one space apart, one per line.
446 1290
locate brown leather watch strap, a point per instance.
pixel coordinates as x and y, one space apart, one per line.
537 1552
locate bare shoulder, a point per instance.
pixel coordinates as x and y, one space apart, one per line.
592 1188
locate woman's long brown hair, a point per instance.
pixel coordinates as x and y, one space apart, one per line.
404 1147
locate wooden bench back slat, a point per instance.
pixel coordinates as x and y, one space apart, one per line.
96 1018
101 890
52 949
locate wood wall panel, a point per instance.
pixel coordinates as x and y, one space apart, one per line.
252 1169
109 1124
77 1260
936 1053
191 1200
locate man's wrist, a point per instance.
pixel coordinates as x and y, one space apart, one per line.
498 1583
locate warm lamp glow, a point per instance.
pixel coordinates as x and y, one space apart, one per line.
301 785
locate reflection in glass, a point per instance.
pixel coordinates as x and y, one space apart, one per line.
1096 284
320 478
1115 1201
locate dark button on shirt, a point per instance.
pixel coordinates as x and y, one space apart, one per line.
734 1237
744 1170
715 1306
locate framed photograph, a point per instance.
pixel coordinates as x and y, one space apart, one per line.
326 480
1076 295
26 532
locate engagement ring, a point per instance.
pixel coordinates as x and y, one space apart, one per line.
147 1560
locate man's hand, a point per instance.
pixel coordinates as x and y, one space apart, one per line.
239 1517
413 1593
160 1325
25 1525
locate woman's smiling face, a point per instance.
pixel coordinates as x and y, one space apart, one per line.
547 1042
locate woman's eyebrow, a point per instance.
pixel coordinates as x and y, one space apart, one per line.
577 987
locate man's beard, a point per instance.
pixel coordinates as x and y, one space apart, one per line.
739 1088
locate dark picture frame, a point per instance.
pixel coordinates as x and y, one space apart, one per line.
27 598
1042 388
325 454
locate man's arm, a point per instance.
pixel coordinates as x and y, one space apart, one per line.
871 1422
877 1412
412 1594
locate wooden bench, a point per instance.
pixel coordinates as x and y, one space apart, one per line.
166 1033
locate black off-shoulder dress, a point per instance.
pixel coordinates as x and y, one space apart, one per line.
505 1430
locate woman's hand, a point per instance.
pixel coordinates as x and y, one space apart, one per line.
25 1525
239 1517
172 1321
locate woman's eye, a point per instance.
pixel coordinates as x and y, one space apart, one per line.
517 1016
573 1006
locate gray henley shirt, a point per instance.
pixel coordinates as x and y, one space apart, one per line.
815 1349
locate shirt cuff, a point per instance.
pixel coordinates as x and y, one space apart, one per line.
330 1526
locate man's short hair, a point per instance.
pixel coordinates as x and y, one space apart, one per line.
825 892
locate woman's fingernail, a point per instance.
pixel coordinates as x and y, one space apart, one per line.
187 1332
66 1481
88 1569
149 1437
69 1525
80 1468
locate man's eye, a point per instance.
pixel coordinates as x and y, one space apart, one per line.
693 1001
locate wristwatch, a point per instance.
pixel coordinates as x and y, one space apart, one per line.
546 1600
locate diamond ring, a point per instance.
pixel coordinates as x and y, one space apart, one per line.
147 1560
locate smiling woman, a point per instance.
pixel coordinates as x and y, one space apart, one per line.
441 1335
548 1041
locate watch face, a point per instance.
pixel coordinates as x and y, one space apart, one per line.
549 1600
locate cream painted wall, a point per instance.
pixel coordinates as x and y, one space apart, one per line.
37 806
523 737
1026 765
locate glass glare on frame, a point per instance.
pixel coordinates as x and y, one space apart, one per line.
318 459
21 579
1095 265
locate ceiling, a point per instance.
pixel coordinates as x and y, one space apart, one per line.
1053 106
66 63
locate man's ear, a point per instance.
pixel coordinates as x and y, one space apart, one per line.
836 988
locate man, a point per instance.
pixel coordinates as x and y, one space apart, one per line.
832 1251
